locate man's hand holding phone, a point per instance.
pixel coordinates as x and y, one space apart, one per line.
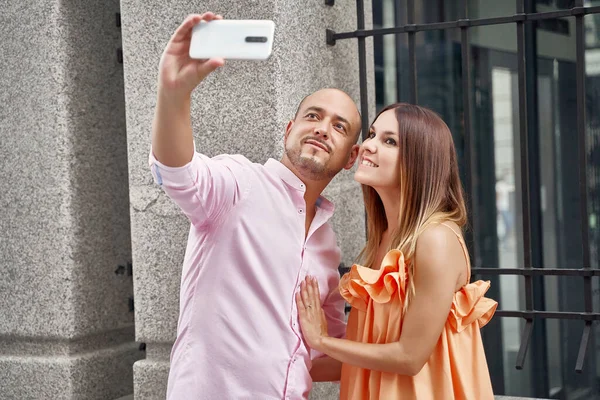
178 73
198 47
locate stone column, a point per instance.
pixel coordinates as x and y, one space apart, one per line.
66 331
243 108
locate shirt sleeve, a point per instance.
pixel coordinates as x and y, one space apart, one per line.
334 308
206 188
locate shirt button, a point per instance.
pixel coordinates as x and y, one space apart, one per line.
300 211
302 186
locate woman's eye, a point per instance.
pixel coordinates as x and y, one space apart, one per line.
390 141
371 135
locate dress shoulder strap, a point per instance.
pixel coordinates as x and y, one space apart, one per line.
464 247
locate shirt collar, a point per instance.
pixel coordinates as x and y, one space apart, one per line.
292 180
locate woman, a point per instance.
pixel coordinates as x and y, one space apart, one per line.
414 328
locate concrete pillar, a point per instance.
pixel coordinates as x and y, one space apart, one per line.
243 108
66 331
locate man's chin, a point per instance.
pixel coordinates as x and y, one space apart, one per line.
310 163
311 166
311 159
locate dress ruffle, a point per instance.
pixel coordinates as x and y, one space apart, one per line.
361 284
470 305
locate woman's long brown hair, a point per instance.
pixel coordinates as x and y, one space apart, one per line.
430 187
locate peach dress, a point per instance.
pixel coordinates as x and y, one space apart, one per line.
457 368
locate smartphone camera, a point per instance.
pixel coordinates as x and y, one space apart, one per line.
256 39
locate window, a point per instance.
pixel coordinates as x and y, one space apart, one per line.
518 83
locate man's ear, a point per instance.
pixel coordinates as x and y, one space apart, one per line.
288 129
353 156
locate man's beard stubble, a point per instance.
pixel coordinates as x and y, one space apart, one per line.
310 168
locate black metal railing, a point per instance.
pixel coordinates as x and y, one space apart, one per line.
528 271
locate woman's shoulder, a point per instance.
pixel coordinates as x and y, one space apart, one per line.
439 235
439 246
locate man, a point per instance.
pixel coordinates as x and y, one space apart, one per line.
256 232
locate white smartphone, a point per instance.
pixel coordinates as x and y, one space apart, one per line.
233 39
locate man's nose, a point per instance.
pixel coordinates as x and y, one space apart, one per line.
322 129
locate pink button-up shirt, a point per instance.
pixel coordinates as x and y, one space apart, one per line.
238 335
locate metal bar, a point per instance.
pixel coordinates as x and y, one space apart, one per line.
469 140
497 20
534 314
585 338
524 155
581 136
412 55
536 271
583 199
410 12
579 11
362 69
525 340
549 15
434 26
399 51
539 347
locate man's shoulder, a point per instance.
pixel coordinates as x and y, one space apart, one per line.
238 162
259 173
233 158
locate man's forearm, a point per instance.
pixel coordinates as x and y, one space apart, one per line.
326 369
172 140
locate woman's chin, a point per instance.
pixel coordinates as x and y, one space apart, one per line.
360 177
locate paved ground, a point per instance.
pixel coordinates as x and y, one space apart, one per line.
497 398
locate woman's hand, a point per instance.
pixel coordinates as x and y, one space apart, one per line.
311 315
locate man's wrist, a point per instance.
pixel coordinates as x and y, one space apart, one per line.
178 96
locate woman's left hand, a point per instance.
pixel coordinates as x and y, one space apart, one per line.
311 315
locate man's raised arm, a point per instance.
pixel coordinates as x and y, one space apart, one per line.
172 141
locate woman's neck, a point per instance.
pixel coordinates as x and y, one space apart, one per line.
391 205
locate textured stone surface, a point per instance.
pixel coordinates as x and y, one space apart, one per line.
100 374
330 391
325 391
243 108
150 378
65 219
63 151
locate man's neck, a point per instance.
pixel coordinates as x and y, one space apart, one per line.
314 188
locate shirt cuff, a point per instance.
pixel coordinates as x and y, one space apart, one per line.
177 177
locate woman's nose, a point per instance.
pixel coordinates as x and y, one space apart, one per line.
369 146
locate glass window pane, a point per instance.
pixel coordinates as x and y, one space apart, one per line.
549 370
491 8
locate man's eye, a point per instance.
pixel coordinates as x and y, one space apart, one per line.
311 115
341 127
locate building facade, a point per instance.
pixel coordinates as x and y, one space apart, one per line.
92 249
